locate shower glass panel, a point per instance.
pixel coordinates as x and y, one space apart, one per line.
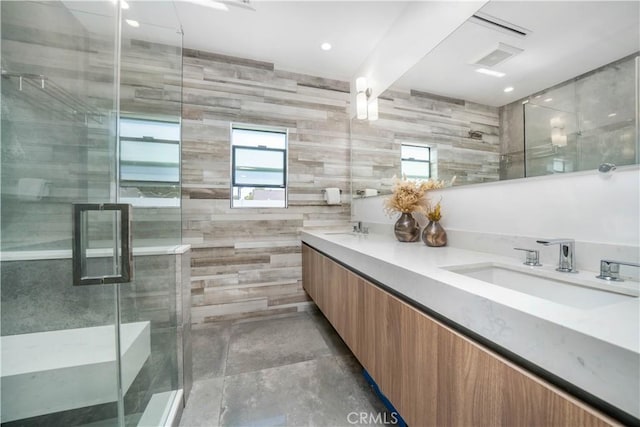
551 133
59 364
94 354
150 111
149 179
580 124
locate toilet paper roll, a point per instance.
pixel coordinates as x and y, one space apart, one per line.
370 192
332 196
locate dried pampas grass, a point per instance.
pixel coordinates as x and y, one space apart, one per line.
410 196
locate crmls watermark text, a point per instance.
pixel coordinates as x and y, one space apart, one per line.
372 418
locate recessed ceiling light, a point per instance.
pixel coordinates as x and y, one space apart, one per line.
548 100
133 23
612 115
538 96
325 46
209 3
490 72
508 89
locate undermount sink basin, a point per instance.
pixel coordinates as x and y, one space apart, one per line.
567 291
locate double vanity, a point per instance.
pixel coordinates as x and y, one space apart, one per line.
454 336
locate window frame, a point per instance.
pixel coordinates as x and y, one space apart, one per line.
258 148
151 141
123 183
414 160
285 154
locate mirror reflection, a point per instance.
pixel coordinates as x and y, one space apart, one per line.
581 124
521 89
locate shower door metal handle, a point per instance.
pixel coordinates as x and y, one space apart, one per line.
124 268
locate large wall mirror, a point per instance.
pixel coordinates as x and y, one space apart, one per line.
520 89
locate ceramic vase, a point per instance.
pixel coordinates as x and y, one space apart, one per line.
406 228
434 235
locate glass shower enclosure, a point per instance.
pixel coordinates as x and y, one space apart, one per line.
91 255
582 123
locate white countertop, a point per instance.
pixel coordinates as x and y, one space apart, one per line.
597 350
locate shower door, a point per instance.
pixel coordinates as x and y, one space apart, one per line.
78 349
580 124
59 359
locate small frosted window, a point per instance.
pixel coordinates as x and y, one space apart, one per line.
259 138
415 152
416 162
149 162
149 129
259 167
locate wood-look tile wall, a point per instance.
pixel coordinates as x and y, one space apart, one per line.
47 136
420 118
247 262
43 137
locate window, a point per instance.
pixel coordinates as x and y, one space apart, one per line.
149 162
258 167
416 161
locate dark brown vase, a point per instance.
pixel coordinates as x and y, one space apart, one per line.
434 235
406 228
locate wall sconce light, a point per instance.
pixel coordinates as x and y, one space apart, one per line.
366 108
558 136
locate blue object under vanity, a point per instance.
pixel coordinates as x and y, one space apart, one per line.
399 421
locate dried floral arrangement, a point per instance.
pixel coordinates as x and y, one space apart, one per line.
433 213
410 196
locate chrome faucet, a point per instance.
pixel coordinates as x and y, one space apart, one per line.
610 270
566 262
359 228
532 258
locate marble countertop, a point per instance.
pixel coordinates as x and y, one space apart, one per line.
596 349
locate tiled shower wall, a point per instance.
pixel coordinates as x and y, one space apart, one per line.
598 114
247 262
42 137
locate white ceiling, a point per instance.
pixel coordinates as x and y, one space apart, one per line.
566 39
285 33
289 33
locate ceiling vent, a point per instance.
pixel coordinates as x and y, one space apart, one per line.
497 55
498 24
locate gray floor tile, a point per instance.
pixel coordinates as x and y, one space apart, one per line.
203 407
268 343
354 372
210 347
318 392
330 336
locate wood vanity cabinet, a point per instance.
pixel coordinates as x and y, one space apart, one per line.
432 374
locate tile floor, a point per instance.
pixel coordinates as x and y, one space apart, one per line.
284 371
